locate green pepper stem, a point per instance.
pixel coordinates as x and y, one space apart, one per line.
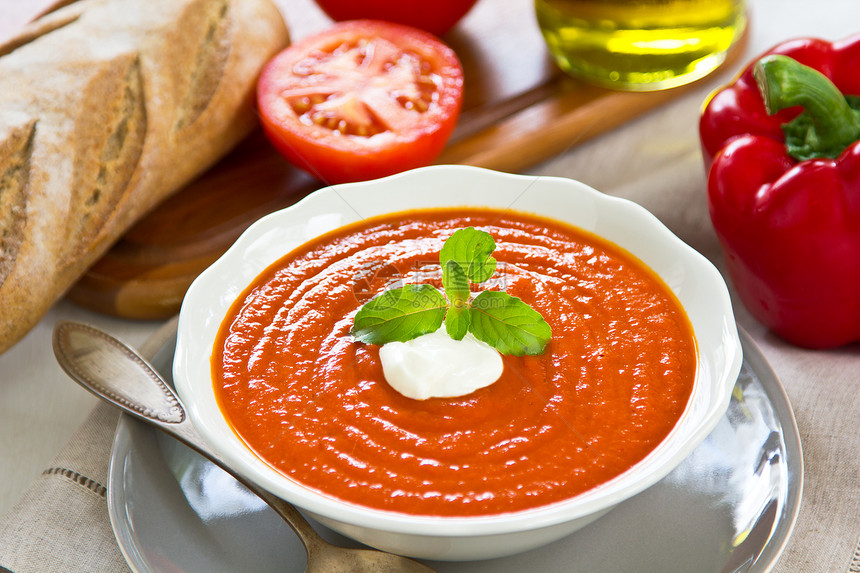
785 82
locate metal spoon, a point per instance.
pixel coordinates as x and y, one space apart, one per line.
117 374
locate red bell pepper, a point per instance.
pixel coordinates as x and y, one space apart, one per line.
782 149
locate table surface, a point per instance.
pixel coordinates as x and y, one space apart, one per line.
40 407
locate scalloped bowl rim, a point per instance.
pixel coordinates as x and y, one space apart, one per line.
693 278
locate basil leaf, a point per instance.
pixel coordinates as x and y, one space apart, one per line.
502 321
470 248
508 324
456 285
401 314
457 321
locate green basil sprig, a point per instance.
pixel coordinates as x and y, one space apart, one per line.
503 321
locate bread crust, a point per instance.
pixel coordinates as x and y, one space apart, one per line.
107 107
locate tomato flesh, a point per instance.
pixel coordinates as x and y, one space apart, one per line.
361 100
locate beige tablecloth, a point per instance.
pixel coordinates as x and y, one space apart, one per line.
61 524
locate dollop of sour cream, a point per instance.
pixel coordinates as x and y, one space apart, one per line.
435 365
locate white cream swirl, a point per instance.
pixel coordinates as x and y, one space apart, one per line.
437 366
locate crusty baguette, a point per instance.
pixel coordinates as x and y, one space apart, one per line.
106 108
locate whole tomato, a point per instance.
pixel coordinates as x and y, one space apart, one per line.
361 100
436 17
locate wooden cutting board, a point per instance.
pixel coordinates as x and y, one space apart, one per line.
519 109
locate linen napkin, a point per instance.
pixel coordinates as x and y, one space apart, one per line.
61 524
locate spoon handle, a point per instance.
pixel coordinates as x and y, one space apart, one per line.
117 374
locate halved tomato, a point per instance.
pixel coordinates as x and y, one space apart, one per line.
435 16
361 100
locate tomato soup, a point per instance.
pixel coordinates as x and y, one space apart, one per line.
313 403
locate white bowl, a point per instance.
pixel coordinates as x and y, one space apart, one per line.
694 280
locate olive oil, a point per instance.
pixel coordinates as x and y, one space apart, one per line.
640 44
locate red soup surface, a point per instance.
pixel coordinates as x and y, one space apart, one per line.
314 404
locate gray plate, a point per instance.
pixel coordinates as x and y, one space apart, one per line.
730 506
